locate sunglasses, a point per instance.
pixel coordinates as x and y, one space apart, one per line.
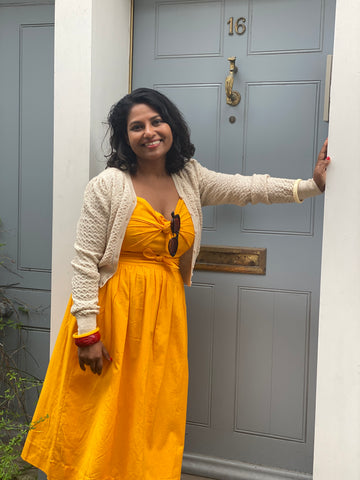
175 229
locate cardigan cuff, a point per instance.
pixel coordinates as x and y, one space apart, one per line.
307 189
86 323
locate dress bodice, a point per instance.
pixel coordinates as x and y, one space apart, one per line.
148 230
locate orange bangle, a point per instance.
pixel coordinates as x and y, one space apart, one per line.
82 335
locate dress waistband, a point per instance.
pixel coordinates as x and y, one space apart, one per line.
148 255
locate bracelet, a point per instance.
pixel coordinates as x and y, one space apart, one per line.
82 335
86 339
295 191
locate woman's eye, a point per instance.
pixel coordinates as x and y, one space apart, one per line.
135 128
157 121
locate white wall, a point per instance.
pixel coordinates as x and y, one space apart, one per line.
92 39
337 425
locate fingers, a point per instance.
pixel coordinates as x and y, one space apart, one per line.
82 364
106 354
92 356
321 167
323 151
96 366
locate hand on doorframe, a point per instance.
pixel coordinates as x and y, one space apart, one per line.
321 166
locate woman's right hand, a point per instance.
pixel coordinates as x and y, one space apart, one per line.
92 355
321 166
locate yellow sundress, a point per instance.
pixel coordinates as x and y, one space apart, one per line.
129 422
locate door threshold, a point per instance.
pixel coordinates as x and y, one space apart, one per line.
186 476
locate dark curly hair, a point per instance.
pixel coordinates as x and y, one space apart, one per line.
122 156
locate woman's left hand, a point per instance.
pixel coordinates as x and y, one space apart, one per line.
322 163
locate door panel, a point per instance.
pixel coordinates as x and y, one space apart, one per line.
277 377
26 137
36 92
293 126
285 27
170 39
252 339
201 342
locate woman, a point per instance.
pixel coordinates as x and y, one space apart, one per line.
138 238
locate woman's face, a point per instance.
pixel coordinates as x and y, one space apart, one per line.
150 138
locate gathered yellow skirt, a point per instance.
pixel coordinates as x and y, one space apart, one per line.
129 422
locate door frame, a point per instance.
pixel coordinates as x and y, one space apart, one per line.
85 34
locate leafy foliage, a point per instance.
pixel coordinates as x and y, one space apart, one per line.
15 420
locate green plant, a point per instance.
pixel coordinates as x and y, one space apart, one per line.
14 427
15 420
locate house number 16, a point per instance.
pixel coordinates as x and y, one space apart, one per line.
240 27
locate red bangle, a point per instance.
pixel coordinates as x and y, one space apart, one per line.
88 340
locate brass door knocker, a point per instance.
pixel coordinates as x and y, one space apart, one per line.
232 97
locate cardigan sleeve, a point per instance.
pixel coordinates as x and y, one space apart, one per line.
90 244
220 188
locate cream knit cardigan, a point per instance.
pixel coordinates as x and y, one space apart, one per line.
110 199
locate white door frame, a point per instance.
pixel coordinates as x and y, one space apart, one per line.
92 52
337 421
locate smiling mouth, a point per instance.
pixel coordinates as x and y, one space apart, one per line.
153 144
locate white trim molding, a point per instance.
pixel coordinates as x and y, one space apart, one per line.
337 420
92 45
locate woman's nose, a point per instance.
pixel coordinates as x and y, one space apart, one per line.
148 130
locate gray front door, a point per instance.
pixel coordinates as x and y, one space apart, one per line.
252 339
26 132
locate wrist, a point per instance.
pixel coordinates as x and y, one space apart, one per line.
87 339
296 191
86 323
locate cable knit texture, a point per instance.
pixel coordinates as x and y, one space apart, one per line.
110 199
